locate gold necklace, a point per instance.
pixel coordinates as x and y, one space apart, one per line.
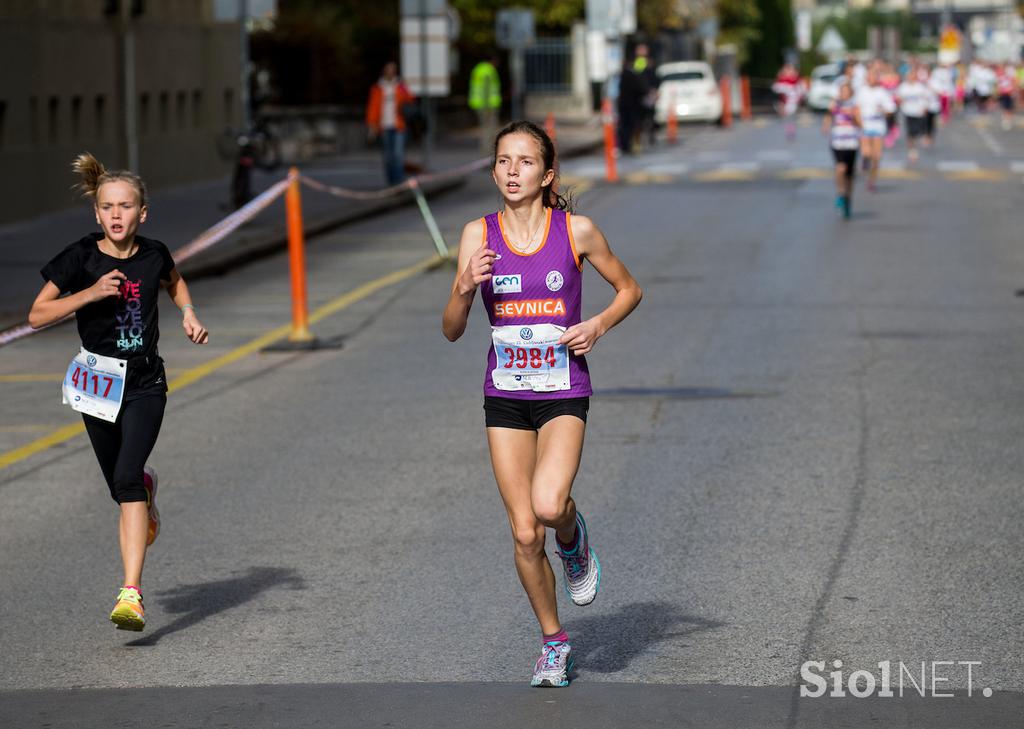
523 250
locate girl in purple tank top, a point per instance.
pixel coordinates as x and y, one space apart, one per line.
527 261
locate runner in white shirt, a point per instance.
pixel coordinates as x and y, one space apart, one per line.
874 102
981 81
913 96
789 86
842 124
943 85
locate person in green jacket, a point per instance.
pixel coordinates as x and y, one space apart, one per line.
485 99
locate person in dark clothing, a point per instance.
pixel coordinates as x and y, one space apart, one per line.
632 90
644 66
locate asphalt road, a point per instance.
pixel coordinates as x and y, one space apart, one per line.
804 446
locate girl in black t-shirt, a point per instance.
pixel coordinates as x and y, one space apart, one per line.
112 279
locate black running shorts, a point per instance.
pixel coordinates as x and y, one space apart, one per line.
506 412
847 157
917 126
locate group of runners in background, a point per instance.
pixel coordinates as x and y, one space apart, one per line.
869 99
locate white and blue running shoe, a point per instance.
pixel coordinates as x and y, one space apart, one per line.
582 570
553 666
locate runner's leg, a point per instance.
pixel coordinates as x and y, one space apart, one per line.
559 449
140 422
513 458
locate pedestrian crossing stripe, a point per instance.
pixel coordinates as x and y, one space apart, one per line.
750 172
986 175
956 166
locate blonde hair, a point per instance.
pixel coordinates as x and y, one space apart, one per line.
94 175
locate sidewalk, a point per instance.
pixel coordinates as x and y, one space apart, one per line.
179 214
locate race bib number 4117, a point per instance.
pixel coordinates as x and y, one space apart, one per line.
530 358
94 385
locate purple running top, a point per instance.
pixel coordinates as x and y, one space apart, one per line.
526 298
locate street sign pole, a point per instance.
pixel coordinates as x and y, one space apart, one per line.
516 63
425 32
425 99
514 31
243 61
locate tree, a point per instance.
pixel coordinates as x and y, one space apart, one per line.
738 24
478 17
775 38
853 26
327 52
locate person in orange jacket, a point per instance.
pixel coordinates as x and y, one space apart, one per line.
385 120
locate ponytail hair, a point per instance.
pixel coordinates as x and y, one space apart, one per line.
550 196
94 175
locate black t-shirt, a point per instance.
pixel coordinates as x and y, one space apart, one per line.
123 326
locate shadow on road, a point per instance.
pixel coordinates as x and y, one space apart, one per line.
198 602
609 643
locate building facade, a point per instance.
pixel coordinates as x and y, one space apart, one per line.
148 84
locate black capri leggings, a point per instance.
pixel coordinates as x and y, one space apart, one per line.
122 447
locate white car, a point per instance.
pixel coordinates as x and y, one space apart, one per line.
691 87
823 86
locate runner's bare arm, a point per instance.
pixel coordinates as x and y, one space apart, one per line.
474 267
178 290
49 307
592 245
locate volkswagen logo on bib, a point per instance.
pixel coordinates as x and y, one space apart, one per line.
526 333
90 360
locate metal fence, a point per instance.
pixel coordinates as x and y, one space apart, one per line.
549 66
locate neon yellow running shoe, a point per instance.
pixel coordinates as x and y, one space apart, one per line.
128 613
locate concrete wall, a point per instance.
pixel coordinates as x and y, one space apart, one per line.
61 94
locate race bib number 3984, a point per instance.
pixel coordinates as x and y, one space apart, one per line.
530 358
94 385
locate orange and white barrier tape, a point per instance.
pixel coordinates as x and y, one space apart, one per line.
395 189
204 240
219 231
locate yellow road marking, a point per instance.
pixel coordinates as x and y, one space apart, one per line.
193 375
47 441
725 175
806 173
646 178
27 428
895 173
575 184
